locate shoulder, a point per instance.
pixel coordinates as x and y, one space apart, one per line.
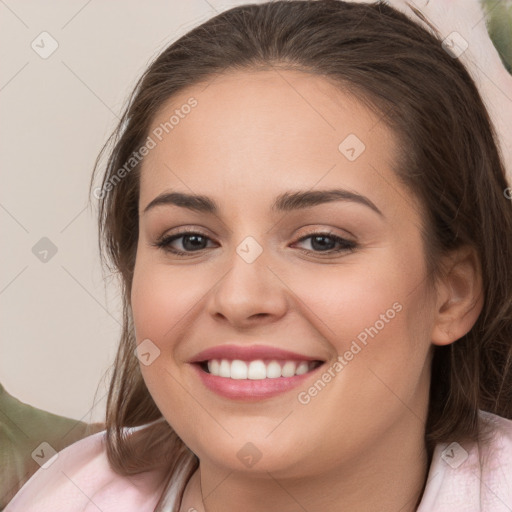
79 478
472 476
23 432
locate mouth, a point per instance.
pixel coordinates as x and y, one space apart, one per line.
256 380
258 369
253 372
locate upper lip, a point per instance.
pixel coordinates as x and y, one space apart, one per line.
249 353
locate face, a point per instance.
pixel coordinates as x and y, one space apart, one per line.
330 286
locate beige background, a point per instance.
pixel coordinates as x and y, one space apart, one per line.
59 319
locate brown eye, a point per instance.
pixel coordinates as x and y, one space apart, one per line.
325 243
191 242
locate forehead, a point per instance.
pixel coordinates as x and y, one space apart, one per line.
253 131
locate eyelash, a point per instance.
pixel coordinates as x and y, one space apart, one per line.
165 241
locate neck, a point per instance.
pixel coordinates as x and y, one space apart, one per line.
390 475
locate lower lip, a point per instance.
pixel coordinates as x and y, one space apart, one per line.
251 390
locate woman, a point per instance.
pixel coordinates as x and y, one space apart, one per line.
305 203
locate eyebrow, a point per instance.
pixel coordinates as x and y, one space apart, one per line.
288 201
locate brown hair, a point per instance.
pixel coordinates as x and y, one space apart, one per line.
449 160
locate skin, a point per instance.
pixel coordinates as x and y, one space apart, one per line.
358 445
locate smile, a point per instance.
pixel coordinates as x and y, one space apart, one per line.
258 369
251 381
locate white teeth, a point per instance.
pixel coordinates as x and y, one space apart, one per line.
273 370
302 368
288 369
224 369
214 367
258 370
238 369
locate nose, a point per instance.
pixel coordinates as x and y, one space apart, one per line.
249 294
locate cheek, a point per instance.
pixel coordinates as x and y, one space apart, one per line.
375 312
162 296
376 318
152 302
161 299
351 298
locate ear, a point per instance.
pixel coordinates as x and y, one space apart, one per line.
459 296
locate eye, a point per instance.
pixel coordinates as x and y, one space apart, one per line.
324 242
193 241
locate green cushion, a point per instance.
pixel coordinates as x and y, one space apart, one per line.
22 429
499 25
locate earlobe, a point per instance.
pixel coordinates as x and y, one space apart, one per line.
459 297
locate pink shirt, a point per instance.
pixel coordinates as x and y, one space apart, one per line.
467 478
